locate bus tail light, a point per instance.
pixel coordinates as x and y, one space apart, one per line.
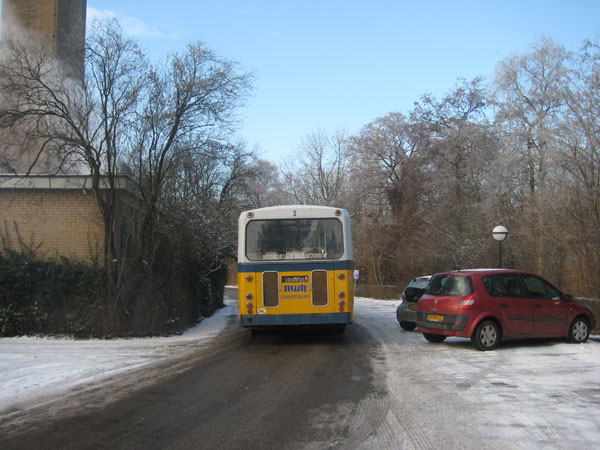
341 304
341 275
249 278
342 294
250 307
249 296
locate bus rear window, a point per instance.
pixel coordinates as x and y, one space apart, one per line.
294 239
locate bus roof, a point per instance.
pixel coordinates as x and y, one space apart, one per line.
283 212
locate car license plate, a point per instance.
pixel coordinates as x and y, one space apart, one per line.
435 317
412 307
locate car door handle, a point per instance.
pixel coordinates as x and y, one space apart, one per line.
504 305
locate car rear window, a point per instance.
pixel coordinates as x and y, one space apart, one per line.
419 283
450 285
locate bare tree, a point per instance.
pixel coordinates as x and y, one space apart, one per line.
386 151
261 186
189 107
459 147
199 198
79 125
317 174
577 202
530 102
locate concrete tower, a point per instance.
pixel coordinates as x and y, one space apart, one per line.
60 22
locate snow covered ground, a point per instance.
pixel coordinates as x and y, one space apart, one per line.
544 394
37 368
526 394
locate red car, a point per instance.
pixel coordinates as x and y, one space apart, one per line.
487 305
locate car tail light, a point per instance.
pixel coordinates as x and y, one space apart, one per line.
403 297
468 301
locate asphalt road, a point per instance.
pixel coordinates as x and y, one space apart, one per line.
376 387
288 389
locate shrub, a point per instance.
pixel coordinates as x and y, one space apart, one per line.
63 297
37 296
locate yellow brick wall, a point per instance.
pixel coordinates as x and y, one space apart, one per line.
64 222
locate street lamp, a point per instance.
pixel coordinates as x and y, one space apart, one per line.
499 234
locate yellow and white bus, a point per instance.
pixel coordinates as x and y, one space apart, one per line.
295 267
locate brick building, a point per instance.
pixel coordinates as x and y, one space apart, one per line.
57 215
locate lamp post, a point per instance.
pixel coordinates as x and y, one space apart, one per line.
499 234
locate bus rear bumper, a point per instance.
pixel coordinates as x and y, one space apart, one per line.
295 319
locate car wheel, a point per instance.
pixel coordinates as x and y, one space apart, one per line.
408 326
486 336
579 331
434 338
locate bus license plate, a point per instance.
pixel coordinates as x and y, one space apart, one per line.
296 279
435 317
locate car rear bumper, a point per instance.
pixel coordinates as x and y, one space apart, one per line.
451 324
405 314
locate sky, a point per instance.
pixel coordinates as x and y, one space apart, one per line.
336 65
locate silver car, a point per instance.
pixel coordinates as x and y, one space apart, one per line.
406 313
